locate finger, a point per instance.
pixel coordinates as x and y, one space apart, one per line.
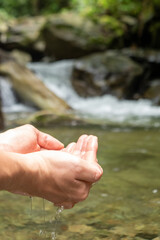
91 149
83 150
80 145
71 147
48 142
88 171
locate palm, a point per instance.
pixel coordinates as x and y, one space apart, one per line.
86 148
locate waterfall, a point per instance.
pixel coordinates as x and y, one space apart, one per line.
9 100
56 77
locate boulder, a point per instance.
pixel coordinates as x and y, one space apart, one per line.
21 57
69 35
61 36
108 72
24 34
30 89
48 119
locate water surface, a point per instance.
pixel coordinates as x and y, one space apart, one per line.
125 204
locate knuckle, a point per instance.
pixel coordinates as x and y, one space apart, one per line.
29 126
83 193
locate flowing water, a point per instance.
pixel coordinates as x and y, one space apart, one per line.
125 204
9 100
105 109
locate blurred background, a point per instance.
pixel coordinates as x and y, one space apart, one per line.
80 61
72 67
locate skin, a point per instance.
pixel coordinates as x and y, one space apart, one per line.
61 175
27 139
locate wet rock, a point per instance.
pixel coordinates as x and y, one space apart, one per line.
105 73
149 59
48 118
153 92
69 35
30 89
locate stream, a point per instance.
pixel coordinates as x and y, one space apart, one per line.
106 110
125 204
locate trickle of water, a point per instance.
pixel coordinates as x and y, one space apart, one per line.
42 233
57 218
31 205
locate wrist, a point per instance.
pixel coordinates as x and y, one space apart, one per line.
14 172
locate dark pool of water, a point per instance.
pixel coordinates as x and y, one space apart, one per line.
125 204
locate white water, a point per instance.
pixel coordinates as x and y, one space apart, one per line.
107 108
9 101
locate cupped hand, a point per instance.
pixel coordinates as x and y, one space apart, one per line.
86 149
57 176
27 139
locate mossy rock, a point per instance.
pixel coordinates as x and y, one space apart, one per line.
103 73
69 35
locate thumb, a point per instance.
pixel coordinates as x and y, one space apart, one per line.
88 172
48 142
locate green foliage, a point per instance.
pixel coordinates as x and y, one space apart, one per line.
32 7
115 7
91 8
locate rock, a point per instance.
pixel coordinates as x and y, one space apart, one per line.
69 35
48 119
103 73
142 55
60 36
24 34
21 57
153 92
30 89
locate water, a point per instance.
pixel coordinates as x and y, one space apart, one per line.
106 109
9 100
124 205
57 219
103 110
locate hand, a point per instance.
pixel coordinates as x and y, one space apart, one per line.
27 139
57 176
85 148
